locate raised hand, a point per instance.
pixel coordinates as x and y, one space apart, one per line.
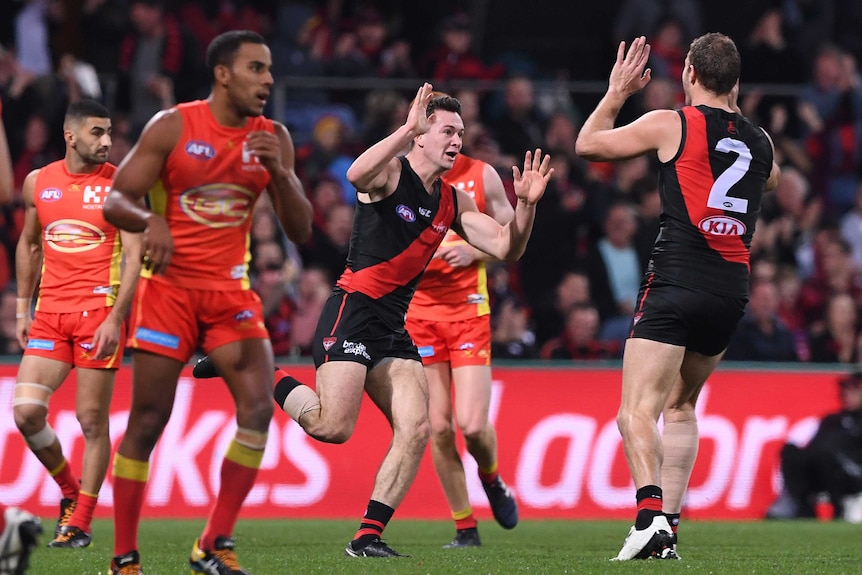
531 183
629 74
417 121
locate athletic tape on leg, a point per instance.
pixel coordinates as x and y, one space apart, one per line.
41 439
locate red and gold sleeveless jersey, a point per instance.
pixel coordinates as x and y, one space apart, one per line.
206 192
446 293
81 251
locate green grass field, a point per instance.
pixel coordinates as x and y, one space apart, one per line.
534 547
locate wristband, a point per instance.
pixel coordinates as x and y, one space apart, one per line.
20 315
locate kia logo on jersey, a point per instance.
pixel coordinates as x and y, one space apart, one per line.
405 213
218 205
200 150
50 195
69 236
722 226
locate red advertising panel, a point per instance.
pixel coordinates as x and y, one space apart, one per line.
560 450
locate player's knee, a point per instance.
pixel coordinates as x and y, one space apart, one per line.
256 414
29 418
442 429
329 430
94 423
474 430
145 428
30 406
418 434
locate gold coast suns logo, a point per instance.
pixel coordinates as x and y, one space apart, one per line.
218 205
70 236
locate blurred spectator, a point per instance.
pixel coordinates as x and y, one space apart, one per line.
328 245
831 109
452 59
769 58
791 217
573 289
645 193
272 275
635 17
366 50
326 155
837 339
512 337
325 194
159 64
851 228
521 125
835 273
103 24
31 38
206 19
761 334
38 150
312 289
669 47
615 271
580 338
830 463
300 46
562 233
121 140
385 111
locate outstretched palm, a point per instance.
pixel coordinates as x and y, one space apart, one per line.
531 183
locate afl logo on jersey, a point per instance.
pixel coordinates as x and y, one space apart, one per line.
218 205
200 150
50 195
405 213
70 236
721 226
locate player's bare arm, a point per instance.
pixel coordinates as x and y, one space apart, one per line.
6 179
659 130
107 335
376 171
276 153
507 242
775 172
136 174
28 259
497 206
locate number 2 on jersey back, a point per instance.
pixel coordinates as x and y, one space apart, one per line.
718 194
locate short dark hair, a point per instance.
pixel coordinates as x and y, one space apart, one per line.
443 102
85 108
223 48
716 61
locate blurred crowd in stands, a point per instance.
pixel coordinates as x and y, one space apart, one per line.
571 295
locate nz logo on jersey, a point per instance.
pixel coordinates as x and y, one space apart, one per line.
405 213
200 150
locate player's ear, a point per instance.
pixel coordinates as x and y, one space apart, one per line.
221 74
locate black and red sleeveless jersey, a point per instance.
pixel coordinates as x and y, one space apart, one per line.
393 240
711 193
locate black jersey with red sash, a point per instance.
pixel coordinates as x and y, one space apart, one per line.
393 240
711 193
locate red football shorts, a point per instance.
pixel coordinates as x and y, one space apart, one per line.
465 342
172 321
68 337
